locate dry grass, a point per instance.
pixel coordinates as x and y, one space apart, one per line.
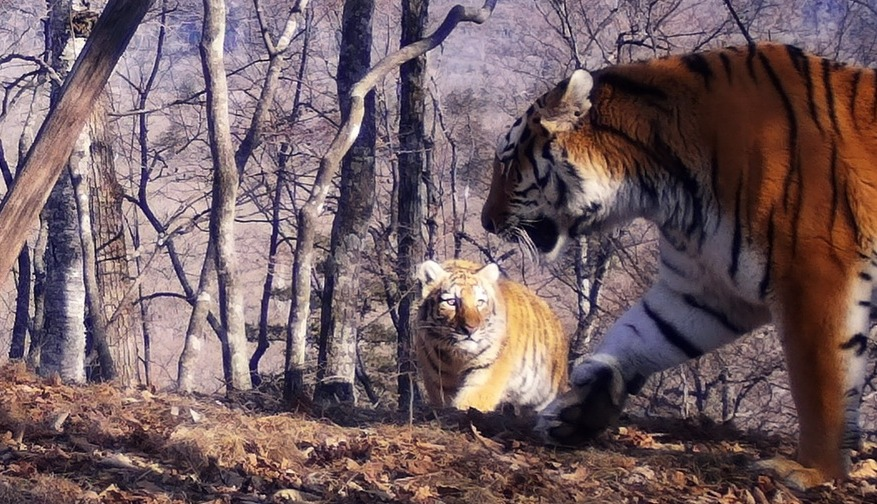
63 444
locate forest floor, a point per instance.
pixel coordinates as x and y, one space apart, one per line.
69 444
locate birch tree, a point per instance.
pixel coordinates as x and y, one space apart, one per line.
340 317
224 199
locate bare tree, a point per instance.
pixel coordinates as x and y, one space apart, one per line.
340 314
412 105
344 138
225 185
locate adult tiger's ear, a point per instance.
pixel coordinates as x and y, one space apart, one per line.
489 273
429 272
567 103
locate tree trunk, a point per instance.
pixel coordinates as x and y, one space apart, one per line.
64 339
111 255
411 189
23 284
336 360
276 51
267 286
225 186
591 263
38 326
101 365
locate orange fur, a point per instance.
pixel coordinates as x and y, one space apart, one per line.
763 150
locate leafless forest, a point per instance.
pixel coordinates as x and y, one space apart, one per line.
196 241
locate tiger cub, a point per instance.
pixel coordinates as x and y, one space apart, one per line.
483 341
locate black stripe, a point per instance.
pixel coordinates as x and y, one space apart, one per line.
752 50
765 280
466 372
524 192
802 65
531 157
737 239
634 329
726 63
860 341
714 172
864 275
794 162
857 77
716 314
672 335
834 188
681 172
525 135
676 270
865 303
854 224
696 63
874 97
829 93
630 86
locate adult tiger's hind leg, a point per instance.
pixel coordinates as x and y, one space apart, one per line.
824 334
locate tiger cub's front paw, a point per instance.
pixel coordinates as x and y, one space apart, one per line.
594 402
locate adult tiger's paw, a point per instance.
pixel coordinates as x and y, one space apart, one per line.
594 402
791 473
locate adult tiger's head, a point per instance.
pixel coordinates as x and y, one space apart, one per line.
459 298
557 173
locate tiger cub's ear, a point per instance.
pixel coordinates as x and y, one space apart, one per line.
489 273
567 104
429 272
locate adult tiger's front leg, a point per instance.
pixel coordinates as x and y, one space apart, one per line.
595 401
674 322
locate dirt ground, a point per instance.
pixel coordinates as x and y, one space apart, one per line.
65 444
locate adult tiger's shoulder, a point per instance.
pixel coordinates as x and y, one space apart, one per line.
757 164
482 341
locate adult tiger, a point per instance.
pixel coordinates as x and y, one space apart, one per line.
483 341
757 165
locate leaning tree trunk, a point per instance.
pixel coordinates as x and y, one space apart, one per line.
55 140
340 314
225 186
411 189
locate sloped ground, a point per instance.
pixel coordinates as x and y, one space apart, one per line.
63 444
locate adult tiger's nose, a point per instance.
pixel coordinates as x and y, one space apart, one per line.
487 223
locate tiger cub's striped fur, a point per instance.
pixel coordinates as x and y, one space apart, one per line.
483 341
759 166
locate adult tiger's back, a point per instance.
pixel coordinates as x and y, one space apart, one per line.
482 341
757 164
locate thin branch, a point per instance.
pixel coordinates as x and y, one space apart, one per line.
737 20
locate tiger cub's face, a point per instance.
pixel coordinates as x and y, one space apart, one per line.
547 183
459 299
